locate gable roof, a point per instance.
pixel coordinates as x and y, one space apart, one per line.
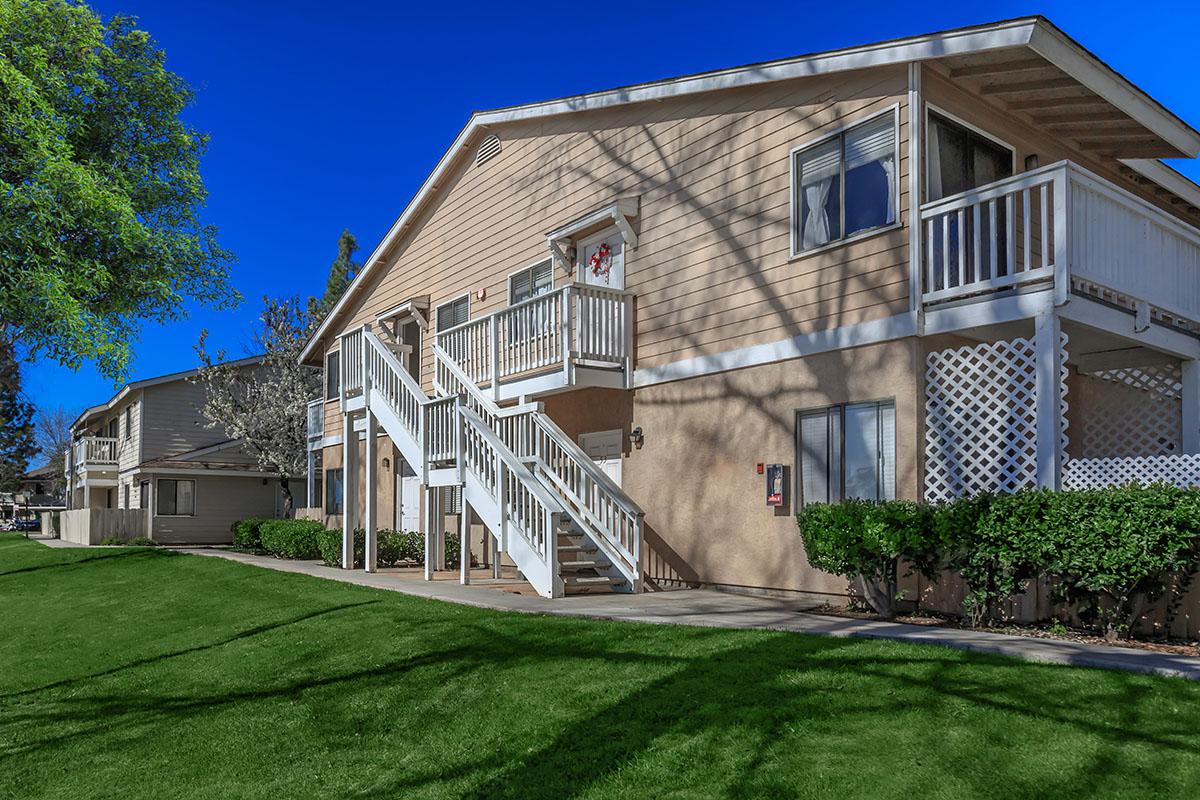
133 386
1036 33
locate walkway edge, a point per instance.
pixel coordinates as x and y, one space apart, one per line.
713 609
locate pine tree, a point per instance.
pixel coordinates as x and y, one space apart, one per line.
341 273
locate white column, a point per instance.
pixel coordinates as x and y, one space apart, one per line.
370 494
1191 406
427 524
1047 387
349 489
494 543
916 168
464 544
152 505
310 484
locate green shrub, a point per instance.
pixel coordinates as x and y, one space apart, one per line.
291 538
1112 552
246 532
112 541
396 547
866 541
141 541
329 543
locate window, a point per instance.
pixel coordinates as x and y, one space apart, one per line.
454 313
531 282
128 421
176 498
847 451
845 185
144 494
333 376
127 488
960 158
333 491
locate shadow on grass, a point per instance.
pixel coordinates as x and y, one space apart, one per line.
753 694
141 662
131 553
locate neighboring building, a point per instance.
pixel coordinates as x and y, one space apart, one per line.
633 331
149 449
39 492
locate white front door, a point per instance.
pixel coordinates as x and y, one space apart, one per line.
605 449
601 259
408 498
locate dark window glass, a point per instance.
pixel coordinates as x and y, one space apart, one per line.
333 491
333 377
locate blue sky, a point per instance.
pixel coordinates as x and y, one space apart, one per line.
325 116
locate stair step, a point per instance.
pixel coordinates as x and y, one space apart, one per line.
596 564
578 548
589 580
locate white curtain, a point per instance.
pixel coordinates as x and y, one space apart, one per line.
819 167
816 226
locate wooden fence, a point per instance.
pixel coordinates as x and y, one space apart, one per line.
91 525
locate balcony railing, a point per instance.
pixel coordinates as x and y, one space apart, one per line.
95 451
1055 225
576 325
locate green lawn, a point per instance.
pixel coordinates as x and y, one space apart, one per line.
141 673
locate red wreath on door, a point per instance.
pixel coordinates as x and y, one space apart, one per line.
601 261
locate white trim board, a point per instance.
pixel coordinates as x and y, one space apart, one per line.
1036 33
874 331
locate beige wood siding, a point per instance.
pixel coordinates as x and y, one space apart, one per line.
712 270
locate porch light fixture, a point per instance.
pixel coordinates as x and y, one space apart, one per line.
1031 162
387 463
637 438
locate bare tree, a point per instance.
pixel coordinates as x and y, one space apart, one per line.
52 431
265 405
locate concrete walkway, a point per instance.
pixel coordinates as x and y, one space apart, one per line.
714 609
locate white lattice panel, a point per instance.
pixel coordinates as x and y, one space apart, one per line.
1132 412
1093 473
981 419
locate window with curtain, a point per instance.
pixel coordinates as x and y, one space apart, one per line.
333 491
454 313
318 475
333 376
847 451
176 498
846 184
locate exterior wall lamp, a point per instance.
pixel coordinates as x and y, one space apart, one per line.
637 438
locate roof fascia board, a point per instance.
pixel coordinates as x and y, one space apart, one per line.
1056 47
1166 177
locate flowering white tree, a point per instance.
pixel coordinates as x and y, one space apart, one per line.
266 405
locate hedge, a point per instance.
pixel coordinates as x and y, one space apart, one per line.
1107 553
291 538
246 532
393 547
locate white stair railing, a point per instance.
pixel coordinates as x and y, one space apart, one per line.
523 507
614 521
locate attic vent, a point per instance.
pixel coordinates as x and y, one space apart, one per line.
489 148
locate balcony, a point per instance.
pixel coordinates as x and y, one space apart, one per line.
94 454
578 336
1061 228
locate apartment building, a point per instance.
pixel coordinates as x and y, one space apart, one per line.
627 334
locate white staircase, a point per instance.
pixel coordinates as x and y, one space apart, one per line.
565 524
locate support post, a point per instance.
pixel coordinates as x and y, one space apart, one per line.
370 495
915 170
310 484
1047 388
427 524
349 489
464 544
1191 406
494 356
496 555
